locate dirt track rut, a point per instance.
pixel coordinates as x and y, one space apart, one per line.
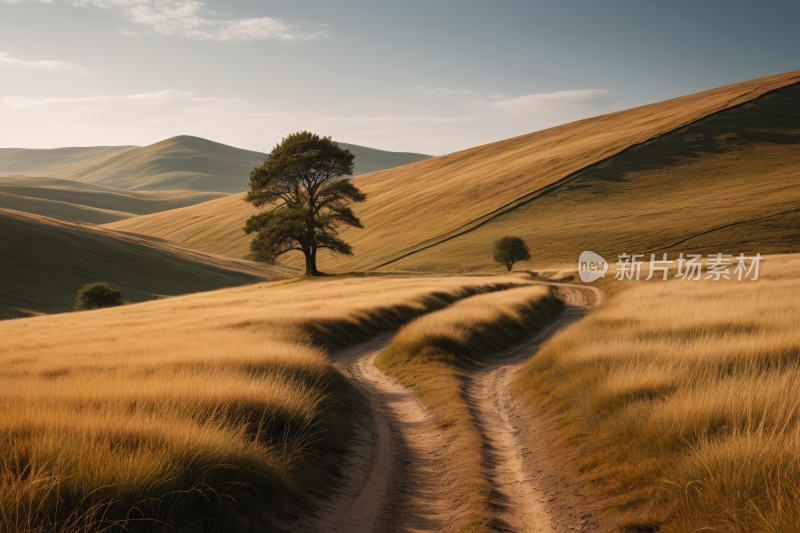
396 477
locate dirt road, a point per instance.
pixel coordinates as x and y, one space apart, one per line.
533 496
397 477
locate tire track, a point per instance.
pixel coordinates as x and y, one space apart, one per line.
397 477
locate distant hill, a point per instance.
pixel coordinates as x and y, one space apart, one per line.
104 184
51 161
78 202
720 165
44 262
178 163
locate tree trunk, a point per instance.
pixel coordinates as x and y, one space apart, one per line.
311 262
509 265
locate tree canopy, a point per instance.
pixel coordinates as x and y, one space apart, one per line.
508 250
98 295
303 182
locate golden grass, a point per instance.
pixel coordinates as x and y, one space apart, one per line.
423 203
680 399
181 411
435 356
650 210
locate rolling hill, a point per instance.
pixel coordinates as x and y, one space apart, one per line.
45 261
51 161
105 184
704 167
177 163
78 202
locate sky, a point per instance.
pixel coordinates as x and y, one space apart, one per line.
429 76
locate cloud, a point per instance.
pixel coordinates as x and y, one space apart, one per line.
49 65
446 92
557 103
127 33
190 19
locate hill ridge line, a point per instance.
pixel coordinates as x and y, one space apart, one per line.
478 222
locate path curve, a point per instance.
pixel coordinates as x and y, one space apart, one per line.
396 476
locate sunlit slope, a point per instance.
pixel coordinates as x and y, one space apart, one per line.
416 206
214 226
86 202
44 262
729 183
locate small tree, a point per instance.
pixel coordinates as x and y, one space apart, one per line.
98 295
304 177
508 250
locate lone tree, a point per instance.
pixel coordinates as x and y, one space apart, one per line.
508 250
98 295
304 177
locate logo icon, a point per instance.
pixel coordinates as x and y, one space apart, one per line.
591 267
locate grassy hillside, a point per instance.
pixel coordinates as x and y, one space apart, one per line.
60 210
727 183
166 415
78 202
415 214
44 262
678 402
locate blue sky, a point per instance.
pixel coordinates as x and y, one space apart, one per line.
430 76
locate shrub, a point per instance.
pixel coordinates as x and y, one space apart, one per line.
98 295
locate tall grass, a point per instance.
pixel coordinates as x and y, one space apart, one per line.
682 398
190 412
435 355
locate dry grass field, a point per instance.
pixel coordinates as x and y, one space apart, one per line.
435 355
416 206
678 400
727 182
171 413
